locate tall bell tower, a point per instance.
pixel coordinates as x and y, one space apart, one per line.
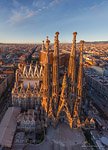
46 78
72 63
55 75
78 102
55 80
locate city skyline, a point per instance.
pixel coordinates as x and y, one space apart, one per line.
30 21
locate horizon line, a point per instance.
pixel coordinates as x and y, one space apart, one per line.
50 43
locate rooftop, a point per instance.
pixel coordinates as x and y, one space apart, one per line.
8 127
102 78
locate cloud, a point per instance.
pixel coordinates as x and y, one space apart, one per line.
98 5
21 13
54 2
38 3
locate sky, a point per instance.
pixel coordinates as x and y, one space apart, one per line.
30 21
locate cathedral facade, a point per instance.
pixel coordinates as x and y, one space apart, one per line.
38 88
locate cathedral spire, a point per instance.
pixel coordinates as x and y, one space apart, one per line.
46 78
55 86
80 72
43 46
77 106
46 68
72 62
47 44
55 75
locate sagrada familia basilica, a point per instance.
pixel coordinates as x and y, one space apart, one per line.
44 96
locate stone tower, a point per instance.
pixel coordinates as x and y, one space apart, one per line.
55 74
43 46
77 106
80 72
72 73
45 87
72 63
55 80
